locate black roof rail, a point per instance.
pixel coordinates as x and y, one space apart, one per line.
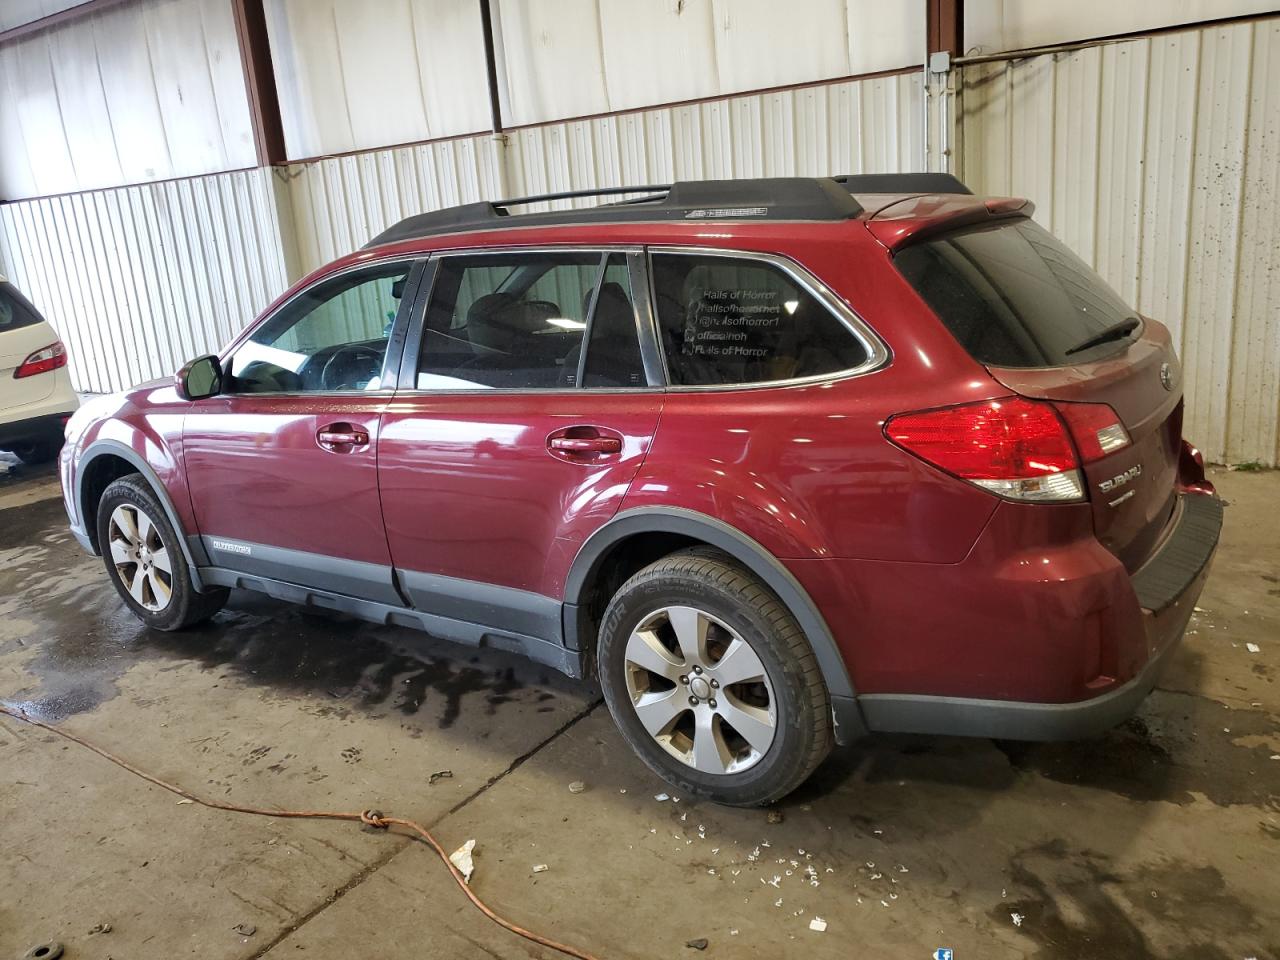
774 198
661 188
901 183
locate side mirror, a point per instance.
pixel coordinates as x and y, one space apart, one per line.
200 378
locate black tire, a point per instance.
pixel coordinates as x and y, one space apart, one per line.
185 606
40 450
713 583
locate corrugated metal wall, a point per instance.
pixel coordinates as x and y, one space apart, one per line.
339 203
136 93
14 13
138 280
1158 160
863 126
991 26
367 74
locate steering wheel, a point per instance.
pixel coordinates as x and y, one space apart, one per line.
347 360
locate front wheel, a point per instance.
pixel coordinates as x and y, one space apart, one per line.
144 561
712 682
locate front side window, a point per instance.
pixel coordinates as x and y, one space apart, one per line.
332 338
736 320
518 321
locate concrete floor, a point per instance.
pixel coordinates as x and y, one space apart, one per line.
1158 840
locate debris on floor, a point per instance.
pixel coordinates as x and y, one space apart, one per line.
773 816
818 924
244 929
461 858
440 775
1017 919
662 797
1253 648
99 928
699 944
540 868
577 786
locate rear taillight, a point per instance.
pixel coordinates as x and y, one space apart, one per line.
1014 447
42 361
1095 428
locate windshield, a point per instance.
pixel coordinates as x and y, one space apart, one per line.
1014 296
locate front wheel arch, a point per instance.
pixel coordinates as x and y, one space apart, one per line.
94 474
693 527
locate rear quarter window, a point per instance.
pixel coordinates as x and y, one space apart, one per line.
15 311
729 320
1015 296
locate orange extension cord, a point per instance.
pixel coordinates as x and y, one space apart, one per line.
369 817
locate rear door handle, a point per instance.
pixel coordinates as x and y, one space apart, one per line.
586 444
337 435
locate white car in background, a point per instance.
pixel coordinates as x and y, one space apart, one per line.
36 397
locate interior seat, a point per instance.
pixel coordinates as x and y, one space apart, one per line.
510 342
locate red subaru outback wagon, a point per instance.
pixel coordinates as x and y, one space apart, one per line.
782 461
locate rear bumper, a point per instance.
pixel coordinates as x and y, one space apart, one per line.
1018 720
1020 640
32 428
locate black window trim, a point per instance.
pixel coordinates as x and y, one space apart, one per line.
395 339
879 355
641 301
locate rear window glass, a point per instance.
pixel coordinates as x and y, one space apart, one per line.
734 320
15 312
1014 296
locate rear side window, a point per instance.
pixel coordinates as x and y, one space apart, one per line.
520 321
1014 296
15 311
735 320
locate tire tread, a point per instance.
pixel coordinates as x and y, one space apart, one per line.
192 607
711 567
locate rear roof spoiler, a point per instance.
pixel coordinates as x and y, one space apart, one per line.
916 218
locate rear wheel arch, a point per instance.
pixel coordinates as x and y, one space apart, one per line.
675 528
105 461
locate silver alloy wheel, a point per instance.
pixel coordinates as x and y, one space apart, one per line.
700 690
141 557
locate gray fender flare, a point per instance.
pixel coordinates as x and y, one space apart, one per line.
116 448
754 557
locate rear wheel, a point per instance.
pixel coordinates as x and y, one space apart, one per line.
144 561
712 682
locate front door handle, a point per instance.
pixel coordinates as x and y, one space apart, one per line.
337 436
586 444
